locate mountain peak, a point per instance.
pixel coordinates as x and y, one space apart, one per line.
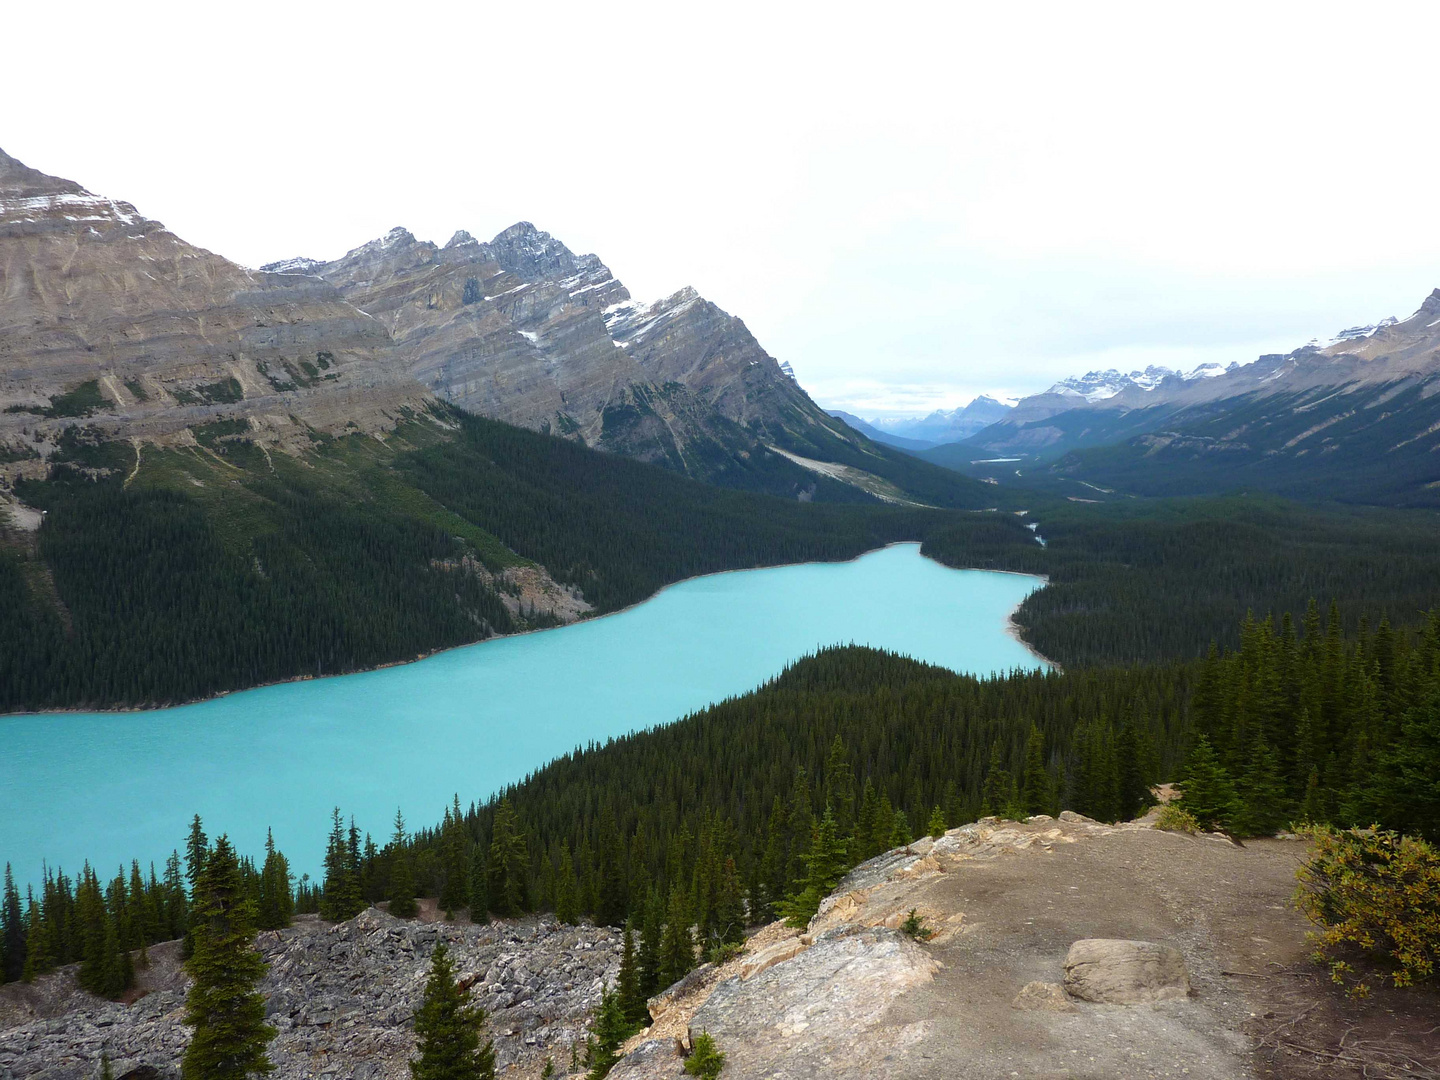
18 179
461 239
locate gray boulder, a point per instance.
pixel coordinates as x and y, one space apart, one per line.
1116 972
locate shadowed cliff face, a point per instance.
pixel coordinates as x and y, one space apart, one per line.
110 320
522 330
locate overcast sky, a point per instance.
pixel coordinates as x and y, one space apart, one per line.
911 203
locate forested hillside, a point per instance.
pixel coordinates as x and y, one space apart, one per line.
163 575
1144 580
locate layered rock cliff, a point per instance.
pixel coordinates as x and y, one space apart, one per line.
108 320
523 330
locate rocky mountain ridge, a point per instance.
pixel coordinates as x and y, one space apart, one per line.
1356 417
523 330
110 322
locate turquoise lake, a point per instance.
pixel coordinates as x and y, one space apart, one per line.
113 786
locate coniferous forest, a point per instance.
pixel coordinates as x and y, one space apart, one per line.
754 808
169 575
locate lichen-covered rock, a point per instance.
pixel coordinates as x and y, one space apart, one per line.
1117 972
1043 997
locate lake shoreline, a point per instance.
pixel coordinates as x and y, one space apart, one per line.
1011 628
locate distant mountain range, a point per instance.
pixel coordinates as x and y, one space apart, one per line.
1356 418
939 427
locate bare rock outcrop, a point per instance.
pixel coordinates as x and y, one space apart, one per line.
1125 972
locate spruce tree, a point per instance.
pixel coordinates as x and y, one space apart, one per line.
478 897
936 826
402 874
627 983
509 864
840 787
566 900
728 920
900 834
223 1006
1262 807
1207 792
340 897
454 862
447 1029
677 944
648 957
276 908
611 874
1035 794
12 930
607 1032
824 867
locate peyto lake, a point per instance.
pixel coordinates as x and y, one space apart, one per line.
112 786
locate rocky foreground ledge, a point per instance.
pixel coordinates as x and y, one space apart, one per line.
343 998
1059 949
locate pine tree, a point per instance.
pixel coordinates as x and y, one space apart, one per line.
566 900
402 874
454 862
728 921
223 1006
12 931
1409 790
509 864
340 898
705 1060
608 1031
999 795
1207 792
774 880
677 945
1261 807
900 834
627 983
447 1029
936 827
478 899
824 866
104 968
276 907
1035 794
840 787
648 957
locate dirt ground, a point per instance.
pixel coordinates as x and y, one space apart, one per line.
1259 1005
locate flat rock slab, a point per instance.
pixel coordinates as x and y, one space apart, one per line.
1116 972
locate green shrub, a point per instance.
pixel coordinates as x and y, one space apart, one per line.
1373 893
705 1061
914 926
1172 818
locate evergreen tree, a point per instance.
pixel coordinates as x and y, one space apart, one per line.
223 1006
1409 788
12 931
1035 794
936 827
402 873
608 1031
340 896
104 968
824 866
454 862
1262 807
647 959
900 834
627 983
727 924
999 795
566 900
611 875
479 896
840 787
705 1060
1207 792
1135 795
865 824
677 945
447 1029
276 907
509 864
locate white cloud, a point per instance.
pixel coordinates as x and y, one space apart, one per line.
952 196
